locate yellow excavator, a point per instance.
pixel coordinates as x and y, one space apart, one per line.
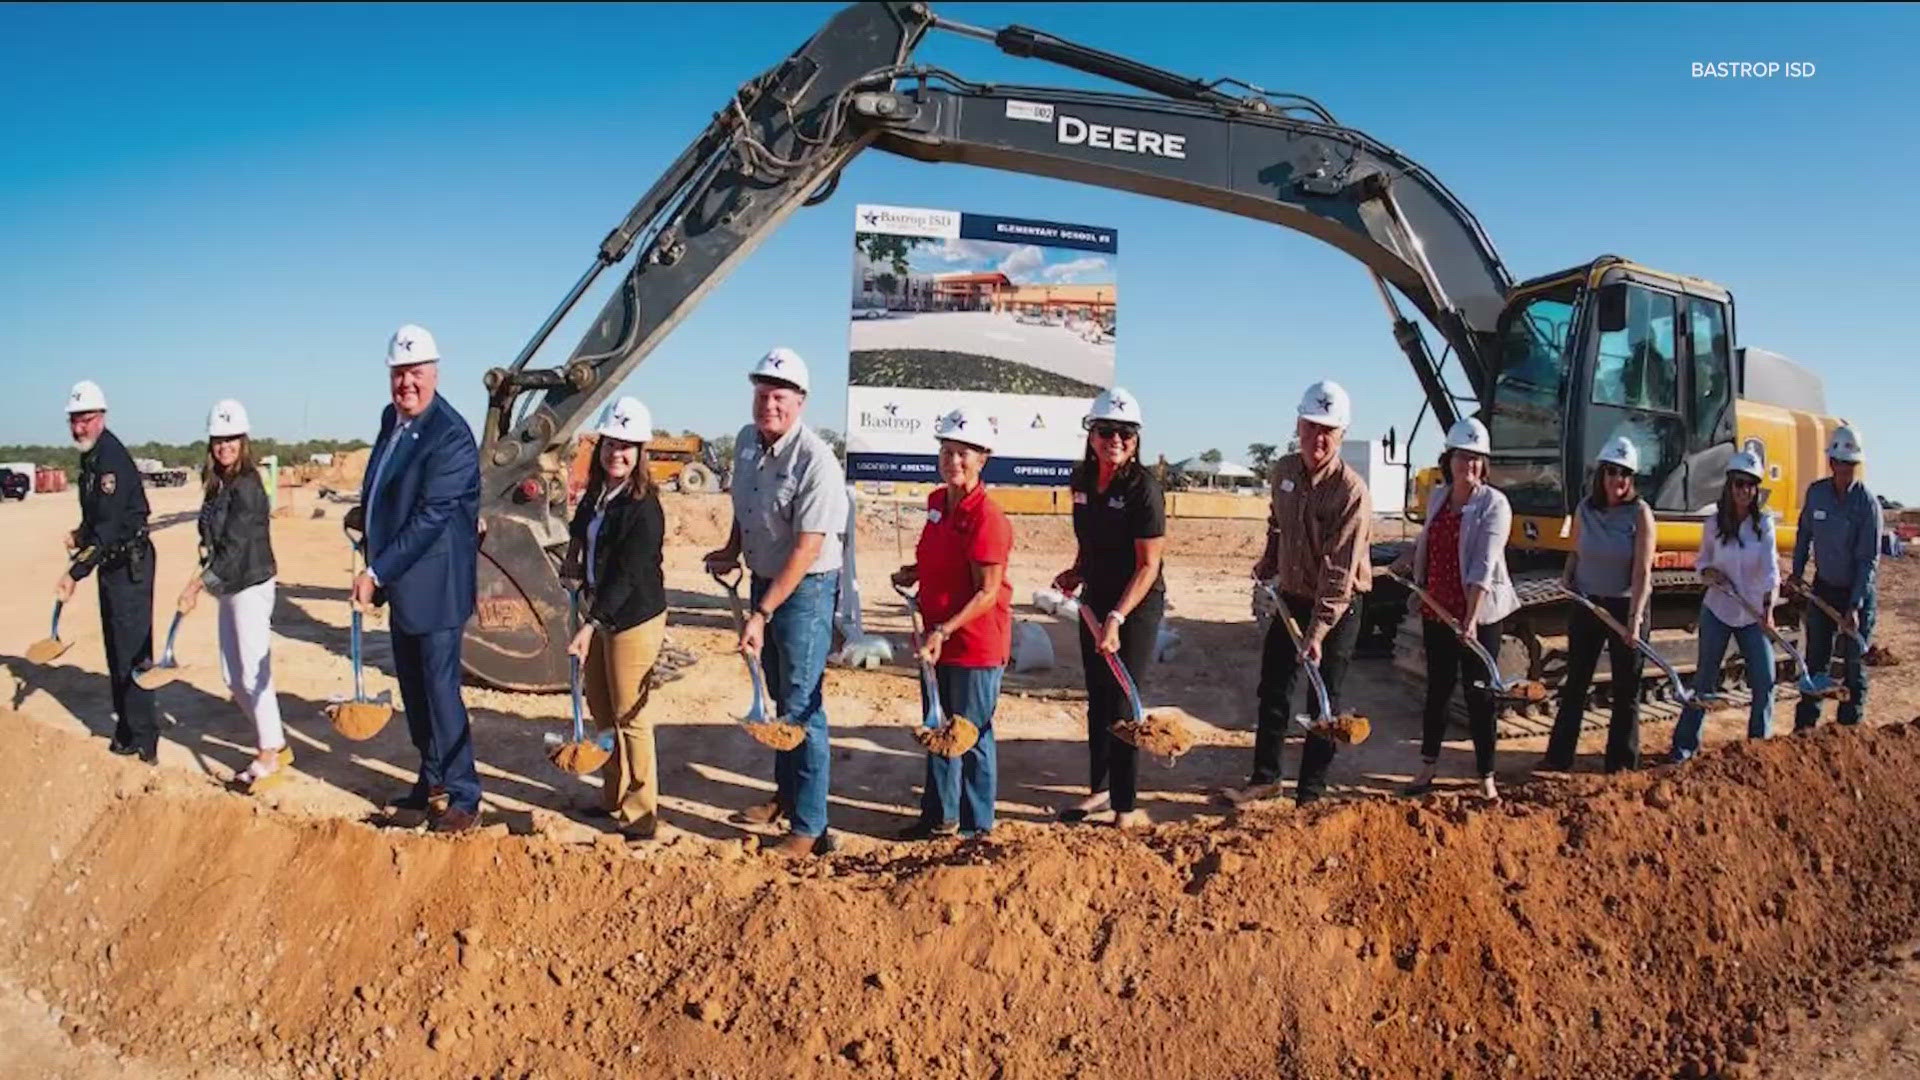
1555 365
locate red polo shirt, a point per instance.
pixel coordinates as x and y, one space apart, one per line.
976 532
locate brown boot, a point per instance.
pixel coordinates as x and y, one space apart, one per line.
765 813
792 845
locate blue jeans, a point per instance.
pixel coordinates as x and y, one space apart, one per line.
1757 650
1819 645
794 661
962 789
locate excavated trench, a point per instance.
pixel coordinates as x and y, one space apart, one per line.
1656 924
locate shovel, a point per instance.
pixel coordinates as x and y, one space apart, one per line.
1160 734
580 756
1812 597
168 669
775 732
1681 691
49 648
947 736
1810 685
1349 728
359 718
1515 690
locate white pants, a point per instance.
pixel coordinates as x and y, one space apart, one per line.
246 659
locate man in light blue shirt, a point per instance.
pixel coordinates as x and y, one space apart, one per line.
1840 525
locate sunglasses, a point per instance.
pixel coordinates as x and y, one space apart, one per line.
1615 472
1114 431
1745 482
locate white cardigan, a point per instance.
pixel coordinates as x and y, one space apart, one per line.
1485 521
1751 563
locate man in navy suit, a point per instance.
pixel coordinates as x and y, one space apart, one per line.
420 516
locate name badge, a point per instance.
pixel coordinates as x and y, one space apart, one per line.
1819 515
1079 498
1117 504
1286 485
933 515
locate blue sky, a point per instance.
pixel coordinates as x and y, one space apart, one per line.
209 201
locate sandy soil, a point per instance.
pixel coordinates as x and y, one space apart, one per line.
709 769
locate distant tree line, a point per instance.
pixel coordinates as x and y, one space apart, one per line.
187 455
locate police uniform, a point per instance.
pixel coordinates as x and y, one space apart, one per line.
113 540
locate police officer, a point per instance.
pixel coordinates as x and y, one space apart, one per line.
112 538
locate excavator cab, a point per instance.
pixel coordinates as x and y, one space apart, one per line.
1604 350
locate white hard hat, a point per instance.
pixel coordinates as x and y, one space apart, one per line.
627 420
1470 435
228 417
1620 451
86 397
782 364
411 345
966 425
1115 405
1744 462
1326 403
1844 446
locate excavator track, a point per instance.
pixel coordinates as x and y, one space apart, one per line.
1534 646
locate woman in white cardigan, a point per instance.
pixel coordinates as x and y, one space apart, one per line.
1460 559
1736 553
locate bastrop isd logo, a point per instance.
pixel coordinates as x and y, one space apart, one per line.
888 419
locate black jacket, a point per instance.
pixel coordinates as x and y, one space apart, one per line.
631 587
236 548
113 509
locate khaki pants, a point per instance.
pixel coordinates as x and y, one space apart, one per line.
615 675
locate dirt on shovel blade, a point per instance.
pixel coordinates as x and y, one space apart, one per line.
1349 728
45 651
358 720
1161 734
777 734
1880 656
951 739
578 758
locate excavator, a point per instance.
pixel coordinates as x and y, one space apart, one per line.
1554 364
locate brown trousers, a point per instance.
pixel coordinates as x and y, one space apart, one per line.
615 675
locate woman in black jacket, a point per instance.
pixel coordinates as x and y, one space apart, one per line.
237 567
618 531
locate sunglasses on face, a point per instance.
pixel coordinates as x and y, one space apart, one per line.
1113 431
1745 482
1615 472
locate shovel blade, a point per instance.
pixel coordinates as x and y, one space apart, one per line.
157 676
359 720
1523 690
951 739
776 734
47 650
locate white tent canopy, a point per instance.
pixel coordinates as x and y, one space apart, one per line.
1225 470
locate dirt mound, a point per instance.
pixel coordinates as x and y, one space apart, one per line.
1644 925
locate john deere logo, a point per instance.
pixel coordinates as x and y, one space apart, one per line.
1531 530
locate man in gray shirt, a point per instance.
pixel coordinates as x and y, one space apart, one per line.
1840 524
789 512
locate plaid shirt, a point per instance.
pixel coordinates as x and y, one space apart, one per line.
1324 526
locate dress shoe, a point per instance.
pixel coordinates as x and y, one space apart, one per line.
642 830
415 801
454 820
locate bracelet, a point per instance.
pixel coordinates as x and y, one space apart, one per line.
1117 617
764 614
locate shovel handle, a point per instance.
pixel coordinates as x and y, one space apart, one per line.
54 631
1299 649
1114 665
1774 635
1680 688
1472 643
928 684
1814 598
730 581
173 628
573 664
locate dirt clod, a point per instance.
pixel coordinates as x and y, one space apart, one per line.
777 734
1162 734
951 739
578 759
358 720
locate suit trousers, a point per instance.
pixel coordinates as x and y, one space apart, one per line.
428 667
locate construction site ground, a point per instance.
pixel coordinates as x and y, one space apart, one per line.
1752 913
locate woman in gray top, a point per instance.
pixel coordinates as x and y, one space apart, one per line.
1611 565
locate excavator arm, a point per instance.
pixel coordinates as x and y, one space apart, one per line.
780 144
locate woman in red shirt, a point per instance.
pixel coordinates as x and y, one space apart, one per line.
967 604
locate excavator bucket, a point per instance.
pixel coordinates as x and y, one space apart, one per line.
518 636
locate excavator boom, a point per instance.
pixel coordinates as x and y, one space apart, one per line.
781 142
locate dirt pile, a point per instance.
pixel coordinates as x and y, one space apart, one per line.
1653 925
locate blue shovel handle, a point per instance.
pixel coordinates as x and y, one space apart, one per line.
54 631
173 629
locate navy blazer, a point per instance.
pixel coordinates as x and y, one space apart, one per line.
423 523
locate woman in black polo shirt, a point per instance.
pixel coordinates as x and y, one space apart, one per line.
1120 524
618 531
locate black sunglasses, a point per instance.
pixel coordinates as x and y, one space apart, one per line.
1615 472
1745 482
1114 431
